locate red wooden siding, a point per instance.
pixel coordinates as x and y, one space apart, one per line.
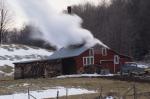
105 62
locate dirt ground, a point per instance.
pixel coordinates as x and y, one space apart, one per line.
107 87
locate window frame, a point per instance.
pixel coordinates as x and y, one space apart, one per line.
91 52
88 60
104 51
116 59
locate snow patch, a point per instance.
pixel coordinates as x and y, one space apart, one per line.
142 66
50 93
12 53
2 74
9 74
83 75
110 97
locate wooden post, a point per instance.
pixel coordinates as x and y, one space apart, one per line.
114 68
66 93
135 93
101 90
28 93
57 94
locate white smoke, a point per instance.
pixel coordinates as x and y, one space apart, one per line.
56 28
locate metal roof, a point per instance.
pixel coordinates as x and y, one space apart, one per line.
68 52
30 61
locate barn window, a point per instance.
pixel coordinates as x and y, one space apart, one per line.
116 59
88 60
92 60
91 52
104 52
84 61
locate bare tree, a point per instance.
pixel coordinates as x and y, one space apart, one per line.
4 19
109 23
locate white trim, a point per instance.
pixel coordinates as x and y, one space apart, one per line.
83 60
91 50
116 59
89 60
104 51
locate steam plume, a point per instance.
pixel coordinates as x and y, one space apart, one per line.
56 28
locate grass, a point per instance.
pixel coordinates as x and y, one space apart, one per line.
83 96
96 96
109 86
6 69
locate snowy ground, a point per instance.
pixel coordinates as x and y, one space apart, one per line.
143 65
13 53
50 93
110 97
10 54
83 75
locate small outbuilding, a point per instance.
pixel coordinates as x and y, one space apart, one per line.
36 69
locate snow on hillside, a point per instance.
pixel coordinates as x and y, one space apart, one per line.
10 54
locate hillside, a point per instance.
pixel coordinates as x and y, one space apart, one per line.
10 54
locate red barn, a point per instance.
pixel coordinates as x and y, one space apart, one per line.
73 60
84 59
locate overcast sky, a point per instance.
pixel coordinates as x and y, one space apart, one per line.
58 5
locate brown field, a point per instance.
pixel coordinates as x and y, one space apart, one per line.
109 87
96 96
